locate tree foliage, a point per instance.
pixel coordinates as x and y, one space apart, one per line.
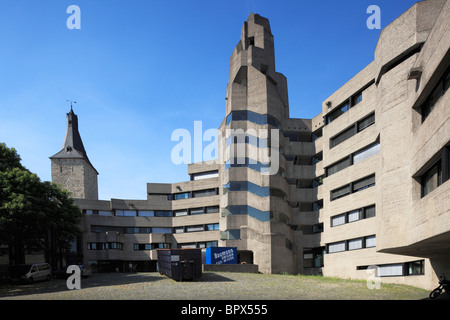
33 213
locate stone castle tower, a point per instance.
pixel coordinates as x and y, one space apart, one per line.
71 168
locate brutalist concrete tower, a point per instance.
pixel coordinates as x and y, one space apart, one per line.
254 206
71 168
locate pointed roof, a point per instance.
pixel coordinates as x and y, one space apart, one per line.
72 147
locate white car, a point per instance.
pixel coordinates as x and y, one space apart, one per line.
31 272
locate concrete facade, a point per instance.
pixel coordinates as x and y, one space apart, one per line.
362 185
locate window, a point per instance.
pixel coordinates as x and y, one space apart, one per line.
260 119
355 244
340 192
338 166
438 91
161 230
150 246
313 258
369 212
213 209
352 130
336 113
195 228
338 220
243 209
371 241
196 211
204 175
363 183
105 245
357 98
317 228
163 213
184 195
432 178
390 270
204 193
129 213
180 213
178 230
352 244
146 213
246 186
236 138
105 213
341 137
351 216
398 269
415 268
366 153
212 227
366 122
336 247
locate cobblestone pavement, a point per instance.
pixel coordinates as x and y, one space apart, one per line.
236 286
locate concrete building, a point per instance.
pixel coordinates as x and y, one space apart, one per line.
362 185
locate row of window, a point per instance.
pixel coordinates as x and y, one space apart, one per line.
260 119
192 194
248 139
247 163
149 246
130 230
153 213
352 244
148 230
398 269
199 245
353 187
196 228
354 215
204 175
344 107
105 246
254 188
246 210
352 159
352 130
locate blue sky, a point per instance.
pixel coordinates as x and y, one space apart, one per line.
140 69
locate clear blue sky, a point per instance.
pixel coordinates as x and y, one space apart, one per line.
139 69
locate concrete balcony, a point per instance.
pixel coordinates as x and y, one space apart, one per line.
301 148
303 194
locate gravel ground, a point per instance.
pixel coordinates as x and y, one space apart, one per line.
215 286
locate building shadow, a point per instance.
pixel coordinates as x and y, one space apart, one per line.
213 277
95 280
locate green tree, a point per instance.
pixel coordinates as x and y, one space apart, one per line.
33 214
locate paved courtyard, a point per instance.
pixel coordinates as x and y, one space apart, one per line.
217 286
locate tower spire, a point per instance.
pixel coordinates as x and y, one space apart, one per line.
72 147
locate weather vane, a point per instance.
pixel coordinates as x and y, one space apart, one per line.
71 103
